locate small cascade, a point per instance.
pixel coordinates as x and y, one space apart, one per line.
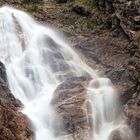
108 124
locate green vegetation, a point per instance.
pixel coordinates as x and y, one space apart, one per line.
63 14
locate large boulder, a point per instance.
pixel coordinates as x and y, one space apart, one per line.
73 108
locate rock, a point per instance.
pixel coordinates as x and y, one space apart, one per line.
120 134
61 1
122 16
119 61
116 75
132 112
80 10
59 66
126 12
105 5
3 72
137 19
13 124
73 108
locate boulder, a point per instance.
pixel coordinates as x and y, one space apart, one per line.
120 134
73 108
3 72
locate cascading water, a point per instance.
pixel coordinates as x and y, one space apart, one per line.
37 60
107 124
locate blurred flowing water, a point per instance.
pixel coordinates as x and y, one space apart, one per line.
38 59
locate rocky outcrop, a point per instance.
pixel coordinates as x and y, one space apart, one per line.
124 14
73 108
13 124
132 112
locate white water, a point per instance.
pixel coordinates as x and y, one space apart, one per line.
106 120
37 60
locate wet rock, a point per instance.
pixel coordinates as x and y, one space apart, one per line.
132 112
13 124
120 134
73 108
59 66
62 76
52 57
3 72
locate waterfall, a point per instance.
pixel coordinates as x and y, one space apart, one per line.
37 60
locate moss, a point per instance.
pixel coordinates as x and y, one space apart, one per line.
32 7
61 15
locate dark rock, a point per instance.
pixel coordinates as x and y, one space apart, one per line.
127 95
73 109
61 1
116 75
80 10
127 14
3 72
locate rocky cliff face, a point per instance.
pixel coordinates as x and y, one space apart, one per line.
107 34
124 16
13 124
